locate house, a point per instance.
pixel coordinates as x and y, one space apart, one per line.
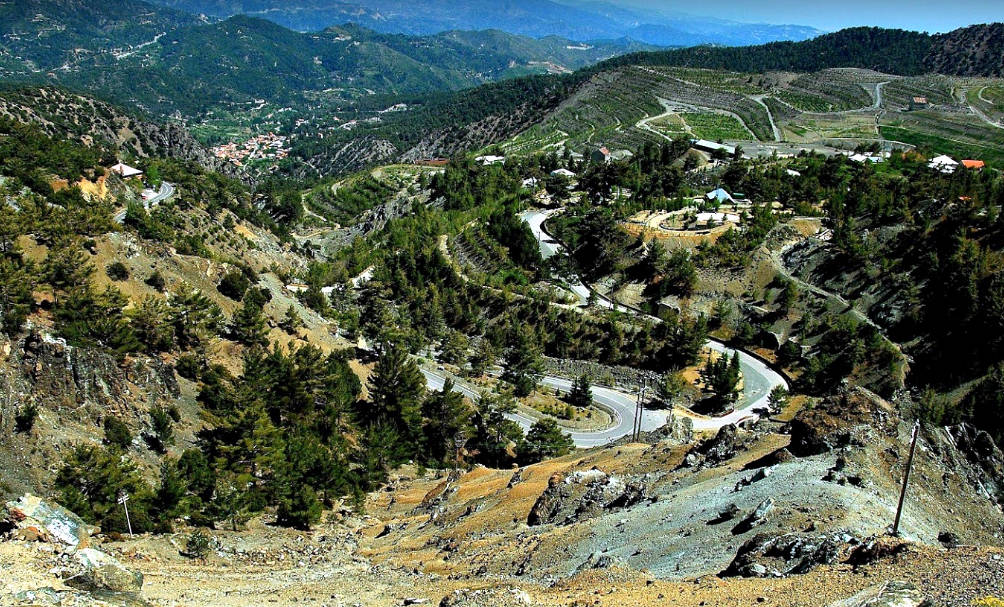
563 173
943 164
710 146
531 183
620 155
862 158
125 171
919 103
600 155
720 195
973 165
490 160
792 173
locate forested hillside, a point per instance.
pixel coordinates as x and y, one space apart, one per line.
42 35
155 57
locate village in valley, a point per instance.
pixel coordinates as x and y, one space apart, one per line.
267 147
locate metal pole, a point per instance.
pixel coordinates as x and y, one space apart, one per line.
906 477
634 420
125 505
638 411
124 500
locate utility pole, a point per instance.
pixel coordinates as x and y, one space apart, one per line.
639 410
124 500
906 477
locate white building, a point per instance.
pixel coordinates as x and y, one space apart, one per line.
720 195
490 160
943 164
125 171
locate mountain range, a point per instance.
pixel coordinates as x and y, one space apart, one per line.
536 18
162 60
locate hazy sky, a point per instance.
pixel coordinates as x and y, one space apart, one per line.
923 15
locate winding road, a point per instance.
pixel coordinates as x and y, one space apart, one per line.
758 378
165 192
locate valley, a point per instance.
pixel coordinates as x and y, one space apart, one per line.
382 314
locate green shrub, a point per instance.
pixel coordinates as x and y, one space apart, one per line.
117 432
24 419
198 544
156 280
187 366
117 271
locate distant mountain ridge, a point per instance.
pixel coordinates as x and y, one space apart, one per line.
162 60
977 50
536 18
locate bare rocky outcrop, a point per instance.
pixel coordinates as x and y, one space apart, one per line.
844 419
102 572
60 113
489 597
893 593
584 494
714 451
73 389
766 555
34 519
985 460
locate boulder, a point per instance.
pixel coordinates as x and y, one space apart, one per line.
756 518
791 553
488 597
37 519
103 572
890 594
598 560
584 494
722 447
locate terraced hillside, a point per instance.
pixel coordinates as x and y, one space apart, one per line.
783 111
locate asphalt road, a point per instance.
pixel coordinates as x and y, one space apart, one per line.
165 192
758 378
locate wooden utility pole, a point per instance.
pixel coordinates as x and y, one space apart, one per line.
906 477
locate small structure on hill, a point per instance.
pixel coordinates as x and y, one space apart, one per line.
943 164
563 173
720 195
600 155
974 165
710 146
125 171
490 160
919 103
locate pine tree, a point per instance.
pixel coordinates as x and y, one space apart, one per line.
291 321
299 509
396 388
15 295
581 394
447 419
248 325
523 364
545 439
670 387
497 437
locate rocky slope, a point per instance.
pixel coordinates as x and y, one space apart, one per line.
60 113
746 516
